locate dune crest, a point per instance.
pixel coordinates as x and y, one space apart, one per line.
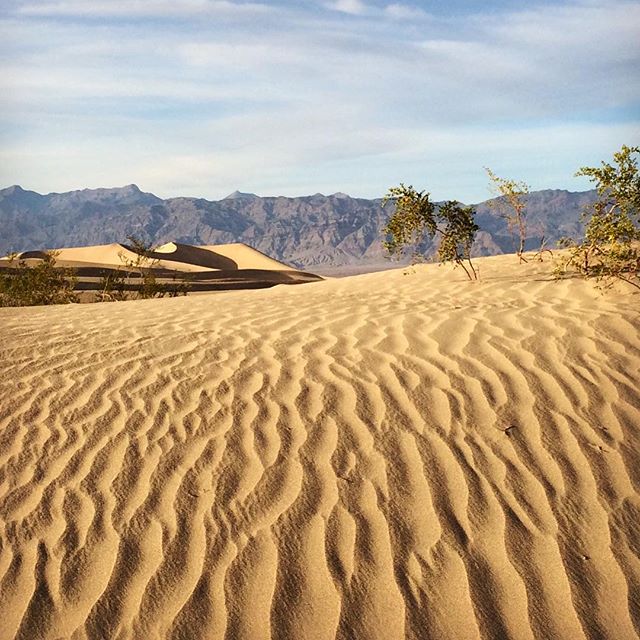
171 255
208 268
402 454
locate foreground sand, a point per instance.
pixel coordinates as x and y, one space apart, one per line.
383 456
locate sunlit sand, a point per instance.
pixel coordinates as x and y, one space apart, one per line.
404 454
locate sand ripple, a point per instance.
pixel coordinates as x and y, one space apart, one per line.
384 456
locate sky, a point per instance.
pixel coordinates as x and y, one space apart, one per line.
205 97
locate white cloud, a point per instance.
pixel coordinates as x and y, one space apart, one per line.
238 55
260 104
430 158
570 26
403 11
353 7
129 8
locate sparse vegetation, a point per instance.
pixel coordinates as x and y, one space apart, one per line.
112 287
610 250
539 254
117 285
512 207
412 220
24 285
458 236
416 218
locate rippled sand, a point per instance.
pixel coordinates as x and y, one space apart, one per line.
382 456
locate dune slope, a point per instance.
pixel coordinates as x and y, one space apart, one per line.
222 267
383 456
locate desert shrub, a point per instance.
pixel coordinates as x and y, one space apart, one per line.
416 218
457 236
180 285
539 254
412 220
512 207
23 285
137 278
143 265
609 250
112 287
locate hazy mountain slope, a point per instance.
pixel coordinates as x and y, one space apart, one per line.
305 231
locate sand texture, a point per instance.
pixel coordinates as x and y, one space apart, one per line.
377 457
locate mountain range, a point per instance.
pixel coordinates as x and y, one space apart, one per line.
306 232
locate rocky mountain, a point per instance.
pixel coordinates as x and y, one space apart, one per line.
310 231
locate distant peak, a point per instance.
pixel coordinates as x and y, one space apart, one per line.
339 194
132 188
239 194
16 188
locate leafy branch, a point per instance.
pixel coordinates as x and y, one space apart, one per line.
609 250
514 195
24 285
417 218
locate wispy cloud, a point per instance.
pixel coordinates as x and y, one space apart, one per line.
280 97
404 11
128 8
394 10
353 7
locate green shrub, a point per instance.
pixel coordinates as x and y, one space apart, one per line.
609 250
457 236
416 218
23 285
137 278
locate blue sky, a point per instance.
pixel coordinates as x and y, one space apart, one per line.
202 97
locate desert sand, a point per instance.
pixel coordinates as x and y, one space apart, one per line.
402 454
221 267
172 255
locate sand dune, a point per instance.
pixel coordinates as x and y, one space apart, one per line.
209 268
246 257
393 455
171 255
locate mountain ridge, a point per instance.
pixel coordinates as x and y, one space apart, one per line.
306 231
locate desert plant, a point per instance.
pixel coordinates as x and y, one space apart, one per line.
457 236
117 284
180 285
143 265
539 254
416 218
412 220
112 287
512 207
22 284
609 250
